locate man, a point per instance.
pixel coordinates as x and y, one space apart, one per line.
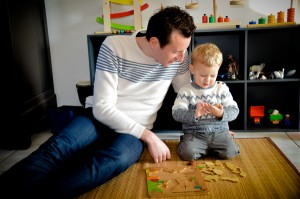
133 74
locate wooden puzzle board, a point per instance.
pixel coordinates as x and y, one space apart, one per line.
174 181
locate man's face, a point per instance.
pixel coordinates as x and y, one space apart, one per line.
174 51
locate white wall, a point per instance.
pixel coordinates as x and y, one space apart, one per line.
70 21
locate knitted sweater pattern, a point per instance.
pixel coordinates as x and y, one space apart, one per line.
187 98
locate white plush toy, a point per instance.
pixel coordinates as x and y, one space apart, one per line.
279 74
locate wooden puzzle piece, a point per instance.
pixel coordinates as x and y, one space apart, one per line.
218 172
230 179
211 178
214 170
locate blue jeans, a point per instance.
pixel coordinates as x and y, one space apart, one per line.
84 155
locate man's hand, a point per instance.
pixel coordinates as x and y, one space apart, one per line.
157 148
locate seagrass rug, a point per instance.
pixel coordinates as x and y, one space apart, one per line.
267 174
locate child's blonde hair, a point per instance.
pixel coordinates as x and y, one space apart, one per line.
208 54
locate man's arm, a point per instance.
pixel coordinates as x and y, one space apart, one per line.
157 148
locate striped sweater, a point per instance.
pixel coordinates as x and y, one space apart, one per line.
129 87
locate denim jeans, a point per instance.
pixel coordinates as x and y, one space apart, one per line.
85 154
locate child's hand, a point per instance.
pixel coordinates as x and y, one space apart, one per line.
232 133
200 109
206 108
216 110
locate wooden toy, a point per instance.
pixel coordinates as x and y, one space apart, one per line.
177 181
257 112
275 116
107 15
204 18
190 4
280 19
291 13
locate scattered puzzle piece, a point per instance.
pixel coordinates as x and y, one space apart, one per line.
214 170
211 178
209 164
230 179
218 172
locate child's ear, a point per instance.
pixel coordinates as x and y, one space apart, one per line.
191 67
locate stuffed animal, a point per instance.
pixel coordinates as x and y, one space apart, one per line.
256 72
279 74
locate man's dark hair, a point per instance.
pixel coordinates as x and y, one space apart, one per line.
168 19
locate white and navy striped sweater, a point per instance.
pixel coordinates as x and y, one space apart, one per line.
129 87
189 95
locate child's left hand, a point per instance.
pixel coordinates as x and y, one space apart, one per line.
232 133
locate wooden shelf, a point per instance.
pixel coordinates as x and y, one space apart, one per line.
250 46
270 24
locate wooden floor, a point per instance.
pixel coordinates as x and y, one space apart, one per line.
288 142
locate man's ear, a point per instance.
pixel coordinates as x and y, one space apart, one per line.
154 42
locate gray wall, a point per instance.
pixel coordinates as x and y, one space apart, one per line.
70 21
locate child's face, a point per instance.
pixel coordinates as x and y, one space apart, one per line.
204 76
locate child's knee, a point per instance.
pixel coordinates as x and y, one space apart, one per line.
186 152
229 154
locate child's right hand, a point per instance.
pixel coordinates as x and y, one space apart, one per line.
200 109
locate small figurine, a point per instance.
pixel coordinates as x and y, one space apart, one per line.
290 73
256 72
275 116
279 74
287 120
233 68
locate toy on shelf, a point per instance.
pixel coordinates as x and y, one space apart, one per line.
256 72
227 19
287 120
257 112
280 19
220 19
271 18
262 20
233 67
279 74
260 72
275 116
204 18
213 21
190 4
291 13
231 70
237 2
107 15
290 73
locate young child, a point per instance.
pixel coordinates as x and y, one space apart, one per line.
204 107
